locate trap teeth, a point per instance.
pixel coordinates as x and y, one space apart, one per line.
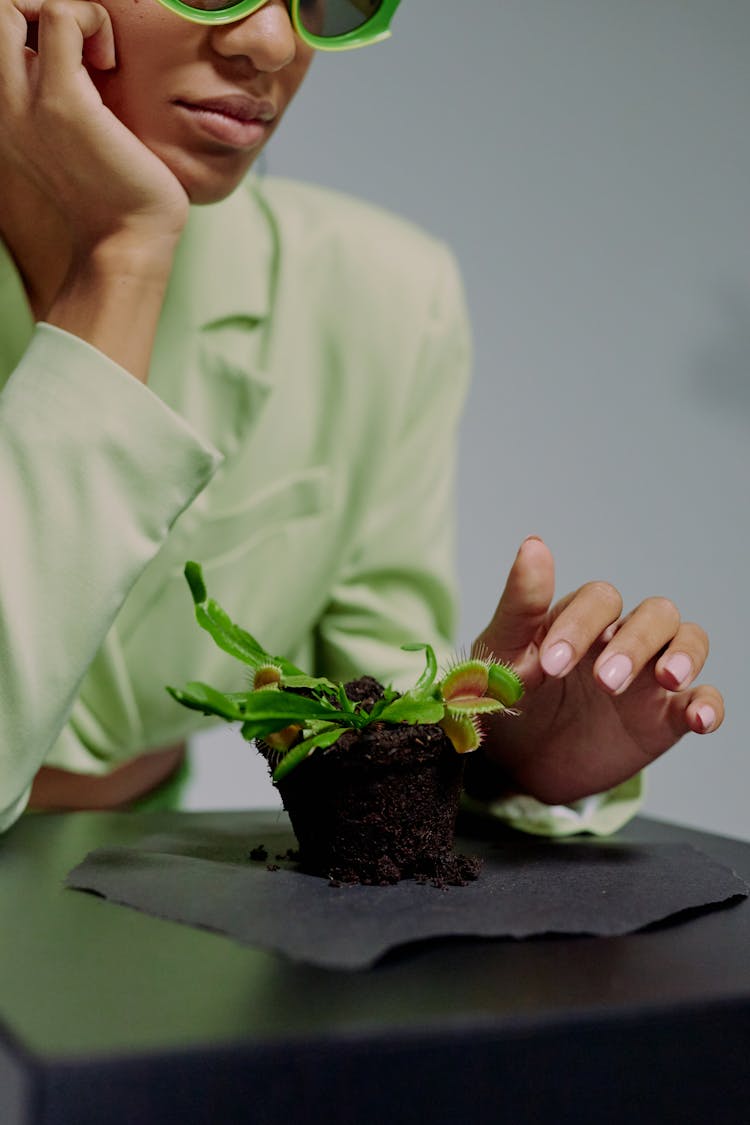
463 731
470 678
266 675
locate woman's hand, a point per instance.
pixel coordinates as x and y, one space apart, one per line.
605 694
56 133
72 168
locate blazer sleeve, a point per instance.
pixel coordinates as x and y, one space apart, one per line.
399 583
600 814
94 470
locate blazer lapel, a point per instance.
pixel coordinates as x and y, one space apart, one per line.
209 361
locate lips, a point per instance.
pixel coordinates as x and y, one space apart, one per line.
235 120
240 107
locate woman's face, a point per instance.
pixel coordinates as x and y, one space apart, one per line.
167 67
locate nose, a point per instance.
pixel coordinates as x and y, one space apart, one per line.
266 37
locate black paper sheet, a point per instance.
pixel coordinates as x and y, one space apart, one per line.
527 887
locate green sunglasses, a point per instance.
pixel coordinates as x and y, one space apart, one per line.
327 25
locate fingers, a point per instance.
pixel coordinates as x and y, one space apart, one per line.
644 633
653 632
650 647
12 62
700 710
680 664
525 600
578 624
68 31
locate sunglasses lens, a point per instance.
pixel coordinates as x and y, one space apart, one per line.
330 19
210 5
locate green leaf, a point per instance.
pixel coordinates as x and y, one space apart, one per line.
289 708
239 698
314 682
345 702
407 709
290 670
201 697
427 679
194 575
259 728
301 751
377 710
227 635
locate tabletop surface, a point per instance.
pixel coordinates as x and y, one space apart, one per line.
79 976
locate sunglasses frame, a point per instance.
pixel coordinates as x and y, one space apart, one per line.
376 29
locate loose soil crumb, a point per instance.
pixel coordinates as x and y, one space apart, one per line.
291 854
259 854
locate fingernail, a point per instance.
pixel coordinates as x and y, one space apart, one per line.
556 659
679 667
706 717
615 672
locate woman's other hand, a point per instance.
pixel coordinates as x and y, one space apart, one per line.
605 694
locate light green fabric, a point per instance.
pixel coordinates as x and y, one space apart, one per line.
296 437
600 814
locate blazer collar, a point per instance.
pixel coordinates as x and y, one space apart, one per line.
225 262
223 286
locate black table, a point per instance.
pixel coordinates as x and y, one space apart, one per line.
108 1016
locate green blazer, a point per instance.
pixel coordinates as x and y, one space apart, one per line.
297 437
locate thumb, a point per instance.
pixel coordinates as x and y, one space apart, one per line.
524 603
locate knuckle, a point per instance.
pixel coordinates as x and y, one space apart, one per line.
640 639
18 18
48 106
52 9
606 593
55 11
664 608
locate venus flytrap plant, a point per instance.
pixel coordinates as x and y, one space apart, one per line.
295 714
473 687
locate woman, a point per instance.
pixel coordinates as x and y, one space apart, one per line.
270 385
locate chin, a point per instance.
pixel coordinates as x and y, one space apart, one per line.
204 180
209 189
203 194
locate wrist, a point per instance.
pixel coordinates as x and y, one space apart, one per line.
112 298
121 258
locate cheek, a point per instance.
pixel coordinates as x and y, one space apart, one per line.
157 53
148 41
138 86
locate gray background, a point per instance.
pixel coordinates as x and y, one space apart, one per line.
589 162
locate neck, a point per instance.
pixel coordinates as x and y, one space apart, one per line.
38 241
